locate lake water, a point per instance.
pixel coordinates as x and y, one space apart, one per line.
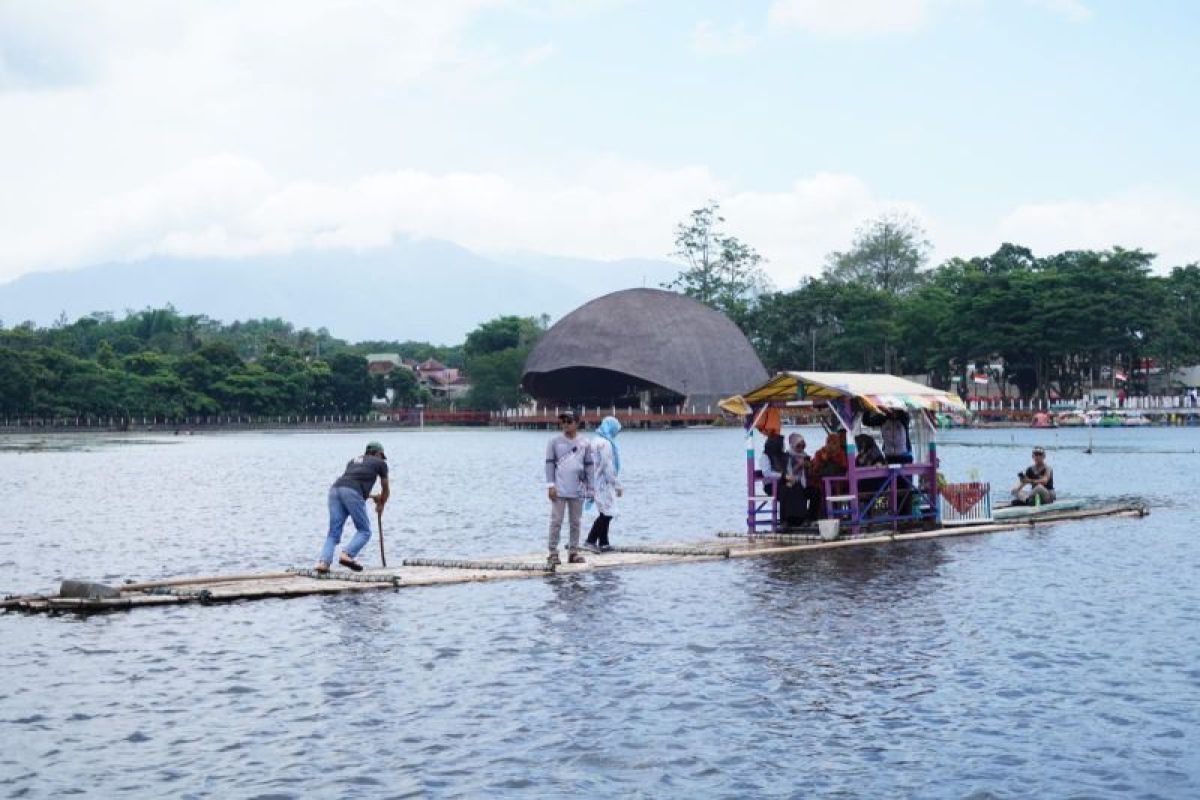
1055 662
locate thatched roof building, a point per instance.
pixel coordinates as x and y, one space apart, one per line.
642 346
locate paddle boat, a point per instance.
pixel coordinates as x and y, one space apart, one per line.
1103 418
1071 419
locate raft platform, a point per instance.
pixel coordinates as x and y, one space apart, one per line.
82 597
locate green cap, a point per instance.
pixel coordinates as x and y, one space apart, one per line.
374 447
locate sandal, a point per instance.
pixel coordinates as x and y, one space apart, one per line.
350 564
322 568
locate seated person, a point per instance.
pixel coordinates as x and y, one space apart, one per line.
897 447
869 454
1035 485
800 499
772 464
829 461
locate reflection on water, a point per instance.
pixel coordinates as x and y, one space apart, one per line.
1053 662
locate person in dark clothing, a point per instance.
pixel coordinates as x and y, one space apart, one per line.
348 499
772 464
798 495
1035 485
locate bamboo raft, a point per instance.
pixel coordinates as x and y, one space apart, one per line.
82 597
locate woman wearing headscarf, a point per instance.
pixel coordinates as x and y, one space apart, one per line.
606 486
773 462
829 461
869 454
804 502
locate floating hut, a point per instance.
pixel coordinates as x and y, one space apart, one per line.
906 491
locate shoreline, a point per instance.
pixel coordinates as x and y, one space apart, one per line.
387 425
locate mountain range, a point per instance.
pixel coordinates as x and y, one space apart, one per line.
423 290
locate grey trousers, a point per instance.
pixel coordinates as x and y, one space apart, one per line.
573 506
1027 494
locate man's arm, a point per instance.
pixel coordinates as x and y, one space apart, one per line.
551 464
1045 479
589 469
384 492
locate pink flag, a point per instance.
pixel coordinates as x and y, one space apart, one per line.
1119 376
980 378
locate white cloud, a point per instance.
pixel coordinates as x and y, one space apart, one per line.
1145 218
228 206
796 229
100 99
850 18
710 40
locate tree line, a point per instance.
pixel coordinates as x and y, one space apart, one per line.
1035 324
160 363
1061 321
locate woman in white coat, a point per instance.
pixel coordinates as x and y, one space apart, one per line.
606 485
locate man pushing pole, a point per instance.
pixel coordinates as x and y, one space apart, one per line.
348 499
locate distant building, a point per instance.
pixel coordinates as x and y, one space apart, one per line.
446 383
642 347
383 363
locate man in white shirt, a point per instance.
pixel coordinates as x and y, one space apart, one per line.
568 474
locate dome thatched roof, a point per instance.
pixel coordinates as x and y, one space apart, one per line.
641 339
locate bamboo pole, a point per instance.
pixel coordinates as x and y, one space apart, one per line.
671 550
939 533
379 516
451 563
249 576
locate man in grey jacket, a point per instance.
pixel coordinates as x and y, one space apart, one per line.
568 474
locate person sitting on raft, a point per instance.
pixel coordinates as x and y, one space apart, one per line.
897 447
829 461
1035 485
869 454
772 464
804 500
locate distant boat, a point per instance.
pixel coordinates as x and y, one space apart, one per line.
1103 418
1043 420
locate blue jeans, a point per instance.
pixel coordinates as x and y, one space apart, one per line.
346 502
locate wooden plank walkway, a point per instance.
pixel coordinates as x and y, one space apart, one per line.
206 590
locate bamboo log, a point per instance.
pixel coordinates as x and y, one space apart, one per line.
345 577
249 576
939 533
451 563
300 582
671 550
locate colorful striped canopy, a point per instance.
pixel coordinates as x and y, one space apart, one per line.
876 392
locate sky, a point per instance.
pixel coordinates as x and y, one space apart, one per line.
221 128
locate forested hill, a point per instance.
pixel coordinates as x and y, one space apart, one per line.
427 290
160 363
